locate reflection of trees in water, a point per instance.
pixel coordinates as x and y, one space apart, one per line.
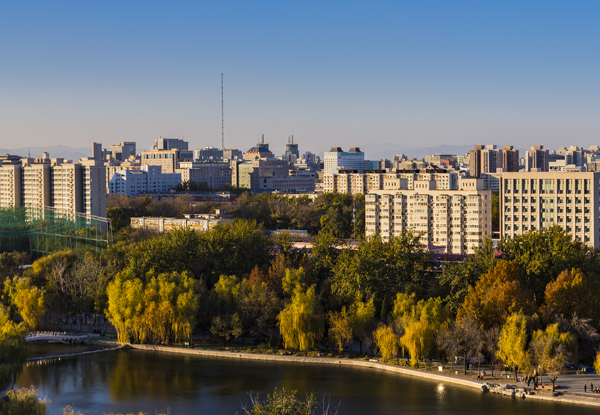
60 376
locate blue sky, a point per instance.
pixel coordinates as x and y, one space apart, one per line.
379 75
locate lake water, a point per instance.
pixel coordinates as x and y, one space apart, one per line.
133 380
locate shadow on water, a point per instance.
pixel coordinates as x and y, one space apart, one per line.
134 380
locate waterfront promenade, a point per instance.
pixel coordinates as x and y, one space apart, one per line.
570 389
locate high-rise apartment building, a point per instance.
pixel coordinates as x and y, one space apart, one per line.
122 151
67 187
536 200
149 179
459 220
216 174
484 159
537 159
510 159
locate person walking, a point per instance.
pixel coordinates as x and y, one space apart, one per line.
585 388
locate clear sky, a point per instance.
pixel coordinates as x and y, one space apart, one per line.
372 74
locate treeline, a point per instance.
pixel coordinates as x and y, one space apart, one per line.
532 308
330 212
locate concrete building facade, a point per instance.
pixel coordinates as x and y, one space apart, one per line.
538 200
458 220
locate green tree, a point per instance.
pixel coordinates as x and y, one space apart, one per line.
258 308
377 268
293 278
226 327
24 401
301 322
544 254
457 277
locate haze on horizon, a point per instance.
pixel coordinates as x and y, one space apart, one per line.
377 74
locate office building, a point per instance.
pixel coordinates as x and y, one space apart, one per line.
170 144
147 179
121 151
336 160
216 174
538 200
457 220
209 153
197 222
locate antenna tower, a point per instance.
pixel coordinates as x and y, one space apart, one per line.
222 119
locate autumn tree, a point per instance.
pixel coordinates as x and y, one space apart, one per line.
13 351
226 327
362 316
387 341
551 349
301 322
28 300
461 338
513 342
457 277
544 254
293 278
497 294
573 293
340 328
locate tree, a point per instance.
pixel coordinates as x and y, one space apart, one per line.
362 319
24 401
418 339
226 327
597 363
551 349
573 292
497 294
490 345
258 308
461 338
387 341
512 345
13 351
457 277
301 322
28 300
293 278
285 402
340 328
544 254
377 268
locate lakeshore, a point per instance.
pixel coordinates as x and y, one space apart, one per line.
569 398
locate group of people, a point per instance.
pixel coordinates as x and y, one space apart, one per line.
592 389
481 375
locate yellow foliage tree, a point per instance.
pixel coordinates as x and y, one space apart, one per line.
28 300
161 311
387 341
497 294
340 328
512 345
573 292
302 322
418 339
361 319
551 349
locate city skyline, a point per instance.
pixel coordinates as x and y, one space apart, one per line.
393 76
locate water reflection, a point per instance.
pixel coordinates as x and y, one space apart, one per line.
132 380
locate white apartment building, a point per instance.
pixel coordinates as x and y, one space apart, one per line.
458 220
538 200
363 183
148 179
10 186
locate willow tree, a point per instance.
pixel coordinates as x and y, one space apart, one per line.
361 319
28 300
387 341
340 328
512 345
13 351
551 349
302 322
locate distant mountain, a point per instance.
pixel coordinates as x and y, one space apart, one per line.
68 153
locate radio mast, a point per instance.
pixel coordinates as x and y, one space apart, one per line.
222 119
